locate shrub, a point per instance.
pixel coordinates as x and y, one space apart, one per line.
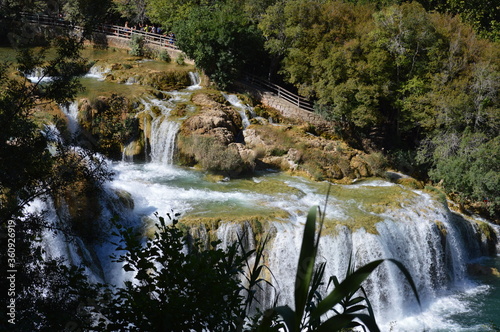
164 56
180 60
377 163
136 45
212 155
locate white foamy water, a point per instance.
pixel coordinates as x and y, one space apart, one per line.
242 109
38 76
71 112
98 72
195 81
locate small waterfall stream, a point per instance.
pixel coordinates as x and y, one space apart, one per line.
98 72
38 76
71 112
242 109
163 131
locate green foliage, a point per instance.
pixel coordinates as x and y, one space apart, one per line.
137 45
175 290
133 12
86 13
377 162
468 166
112 123
34 165
213 155
483 15
219 40
164 56
180 60
27 164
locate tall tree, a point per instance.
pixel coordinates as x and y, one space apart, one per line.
220 41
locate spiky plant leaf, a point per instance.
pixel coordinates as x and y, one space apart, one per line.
305 267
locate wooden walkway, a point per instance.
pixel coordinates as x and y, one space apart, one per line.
169 42
155 39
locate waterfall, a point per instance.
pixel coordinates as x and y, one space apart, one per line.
71 112
37 75
242 109
434 243
410 235
195 81
98 72
163 132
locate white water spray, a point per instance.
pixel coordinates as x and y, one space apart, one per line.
242 109
98 72
71 112
163 131
38 76
195 81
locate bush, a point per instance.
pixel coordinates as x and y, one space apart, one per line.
176 290
164 56
136 45
377 163
212 155
180 60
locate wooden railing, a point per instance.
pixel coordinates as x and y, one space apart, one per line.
170 42
109 30
282 93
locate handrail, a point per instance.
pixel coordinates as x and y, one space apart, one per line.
110 30
170 42
282 93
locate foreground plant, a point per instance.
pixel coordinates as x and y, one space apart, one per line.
341 308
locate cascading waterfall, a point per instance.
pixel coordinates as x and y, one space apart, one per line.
195 81
98 72
242 109
163 132
71 112
37 75
410 235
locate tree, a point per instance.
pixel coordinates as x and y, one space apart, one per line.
175 290
170 12
88 14
219 40
133 11
468 166
34 165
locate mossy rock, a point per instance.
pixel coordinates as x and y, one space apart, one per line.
410 183
125 198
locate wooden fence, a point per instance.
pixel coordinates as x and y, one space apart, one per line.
170 42
282 93
107 29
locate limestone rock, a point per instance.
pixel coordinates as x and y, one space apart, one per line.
360 167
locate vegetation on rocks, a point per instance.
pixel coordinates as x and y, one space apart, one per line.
111 122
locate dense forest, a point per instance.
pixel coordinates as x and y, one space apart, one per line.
417 80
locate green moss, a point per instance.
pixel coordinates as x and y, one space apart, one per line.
367 221
437 193
410 183
486 230
364 206
212 214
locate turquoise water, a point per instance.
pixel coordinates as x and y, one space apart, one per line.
484 306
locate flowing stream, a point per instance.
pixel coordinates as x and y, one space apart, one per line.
398 222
